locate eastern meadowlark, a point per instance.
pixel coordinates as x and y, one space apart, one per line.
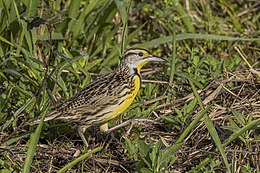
106 97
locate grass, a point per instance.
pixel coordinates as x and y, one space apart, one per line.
204 100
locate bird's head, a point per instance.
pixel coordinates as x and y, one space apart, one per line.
136 58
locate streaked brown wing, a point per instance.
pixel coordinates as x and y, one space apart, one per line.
96 96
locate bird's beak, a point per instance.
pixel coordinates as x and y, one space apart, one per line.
155 59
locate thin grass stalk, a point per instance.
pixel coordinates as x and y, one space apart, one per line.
125 30
173 61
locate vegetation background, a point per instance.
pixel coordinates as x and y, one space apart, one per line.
201 106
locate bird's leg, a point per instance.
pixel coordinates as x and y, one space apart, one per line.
108 137
81 131
131 122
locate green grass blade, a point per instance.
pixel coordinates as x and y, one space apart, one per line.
17 12
111 60
211 128
203 163
13 140
184 16
81 19
32 145
173 61
6 41
186 36
18 112
180 141
192 125
241 131
73 13
214 135
77 160
121 6
32 7
5 95
55 36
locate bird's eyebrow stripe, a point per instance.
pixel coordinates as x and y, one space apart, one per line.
146 53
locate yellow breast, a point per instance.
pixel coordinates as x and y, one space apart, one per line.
118 109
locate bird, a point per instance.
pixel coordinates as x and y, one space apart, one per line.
106 97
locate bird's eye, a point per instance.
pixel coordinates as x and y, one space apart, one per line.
140 54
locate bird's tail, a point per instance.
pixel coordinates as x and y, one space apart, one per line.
50 116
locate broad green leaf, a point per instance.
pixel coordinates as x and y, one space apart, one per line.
144 149
155 152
